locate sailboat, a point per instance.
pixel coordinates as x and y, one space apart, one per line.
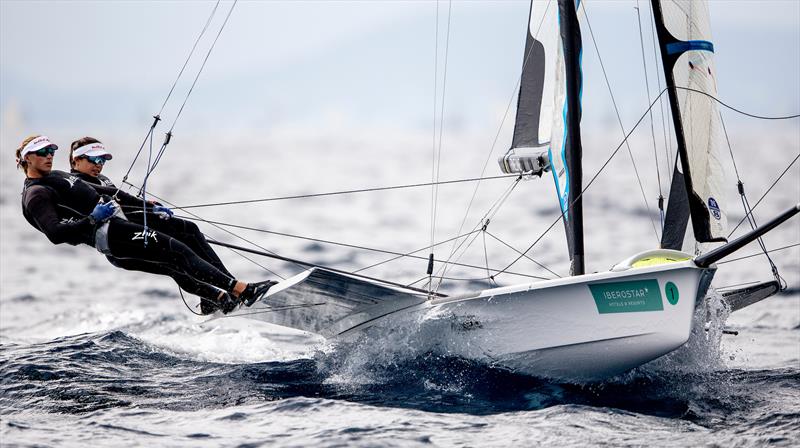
588 326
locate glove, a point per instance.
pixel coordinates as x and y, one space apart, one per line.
163 212
102 212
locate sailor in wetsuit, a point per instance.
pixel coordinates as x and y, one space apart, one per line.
87 158
69 210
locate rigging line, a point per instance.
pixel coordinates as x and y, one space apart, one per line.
191 89
489 277
458 244
619 119
433 133
746 202
759 253
471 279
652 125
314 265
426 277
441 114
203 65
443 269
730 147
589 184
226 231
144 193
149 135
410 253
219 227
526 256
484 222
186 304
197 41
760 117
332 243
638 122
502 123
667 139
180 73
342 192
765 193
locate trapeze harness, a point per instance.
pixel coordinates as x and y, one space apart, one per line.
59 206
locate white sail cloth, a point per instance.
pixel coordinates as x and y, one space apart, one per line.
688 22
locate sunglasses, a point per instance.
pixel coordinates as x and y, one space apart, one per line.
46 151
97 160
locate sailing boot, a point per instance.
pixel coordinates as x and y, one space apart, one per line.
255 291
208 306
228 303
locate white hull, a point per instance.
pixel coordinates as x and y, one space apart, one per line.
579 328
555 329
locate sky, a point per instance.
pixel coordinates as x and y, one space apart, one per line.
109 65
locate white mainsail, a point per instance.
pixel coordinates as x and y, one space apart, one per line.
687 51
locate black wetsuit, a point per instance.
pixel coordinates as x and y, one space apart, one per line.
184 231
59 204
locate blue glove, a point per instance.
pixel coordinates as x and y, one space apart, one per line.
163 212
102 212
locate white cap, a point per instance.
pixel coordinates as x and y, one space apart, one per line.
36 144
92 150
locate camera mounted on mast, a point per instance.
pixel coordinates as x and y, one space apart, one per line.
525 161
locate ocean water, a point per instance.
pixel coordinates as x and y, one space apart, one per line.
92 354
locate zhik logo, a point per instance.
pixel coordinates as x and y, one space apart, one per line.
141 235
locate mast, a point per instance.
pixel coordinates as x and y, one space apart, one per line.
547 134
688 62
571 153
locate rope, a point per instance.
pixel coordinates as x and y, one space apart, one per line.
760 117
614 153
342 192
352 246
408 254
157 117
485 219
315 265
189 93
619 120
759 253
652 126
765 193
433 135
526 256
489 277
746 204
500 127
441 113
160 199
664 118
589 184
